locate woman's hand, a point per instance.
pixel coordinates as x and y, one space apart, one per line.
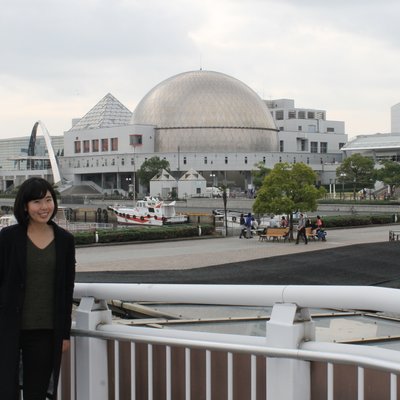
65 345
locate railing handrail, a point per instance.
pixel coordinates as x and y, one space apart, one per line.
365 356
338 297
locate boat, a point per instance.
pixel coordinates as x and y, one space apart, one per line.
148 212
7 220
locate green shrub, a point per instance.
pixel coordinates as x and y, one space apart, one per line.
356 220
142 234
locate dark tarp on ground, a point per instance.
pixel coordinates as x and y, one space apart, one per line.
363 264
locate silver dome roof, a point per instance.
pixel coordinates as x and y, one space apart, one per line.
207 111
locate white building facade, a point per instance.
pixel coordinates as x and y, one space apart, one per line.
305 130
108 145
395 118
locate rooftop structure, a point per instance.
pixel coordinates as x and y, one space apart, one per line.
107 113
381 146
207 111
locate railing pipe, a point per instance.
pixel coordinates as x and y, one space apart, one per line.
366 356
342 297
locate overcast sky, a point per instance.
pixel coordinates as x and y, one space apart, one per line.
59 58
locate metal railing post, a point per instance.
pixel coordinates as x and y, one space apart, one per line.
289 326
91 354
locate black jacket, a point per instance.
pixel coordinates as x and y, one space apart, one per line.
13 243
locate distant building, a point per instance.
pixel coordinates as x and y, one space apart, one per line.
191 184
163 184
306 130
201 120
395 118
380 146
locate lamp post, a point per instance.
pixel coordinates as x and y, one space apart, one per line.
134 174
213 178
224 197
129 184
342 176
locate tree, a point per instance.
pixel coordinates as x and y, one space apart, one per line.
357 170
288 188
150 168
389 175
259 174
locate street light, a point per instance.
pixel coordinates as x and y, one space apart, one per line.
343 175
213 179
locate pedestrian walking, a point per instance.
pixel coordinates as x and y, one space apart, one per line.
249 223
301 230
242 223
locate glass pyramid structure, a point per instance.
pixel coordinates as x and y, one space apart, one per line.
107 113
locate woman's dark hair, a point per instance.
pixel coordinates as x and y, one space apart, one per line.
32 189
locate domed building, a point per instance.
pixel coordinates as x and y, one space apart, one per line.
203 111
202 120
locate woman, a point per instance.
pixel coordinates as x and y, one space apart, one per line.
37 271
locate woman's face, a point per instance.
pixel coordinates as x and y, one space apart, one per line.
40 210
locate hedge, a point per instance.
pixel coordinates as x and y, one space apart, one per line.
356 220
142 234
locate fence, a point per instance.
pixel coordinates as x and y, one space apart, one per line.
112 361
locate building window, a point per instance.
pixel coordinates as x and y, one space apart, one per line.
205 160
292 114
95 145
314 147
312 128
77 146
311 115
122 161
86 146
114 144
301 115
135 140
341 145
245 160
280 159
323 147
263 160
132 161
294 160
279 115
299 128
104 144
281 146
113 161
303 145
330 129
184 160
226 160
281 128
308 160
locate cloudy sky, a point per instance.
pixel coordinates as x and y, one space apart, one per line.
59 58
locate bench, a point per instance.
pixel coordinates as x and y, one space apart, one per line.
310 233
274 234
394 235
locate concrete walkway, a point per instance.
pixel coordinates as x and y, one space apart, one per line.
361 256
188 254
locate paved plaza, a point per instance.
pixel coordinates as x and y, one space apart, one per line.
361 256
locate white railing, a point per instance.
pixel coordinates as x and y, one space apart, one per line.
154 363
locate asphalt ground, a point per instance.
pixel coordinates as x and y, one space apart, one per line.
361 256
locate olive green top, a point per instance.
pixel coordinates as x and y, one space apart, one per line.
38 310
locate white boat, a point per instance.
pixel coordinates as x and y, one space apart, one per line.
151 211
7 220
